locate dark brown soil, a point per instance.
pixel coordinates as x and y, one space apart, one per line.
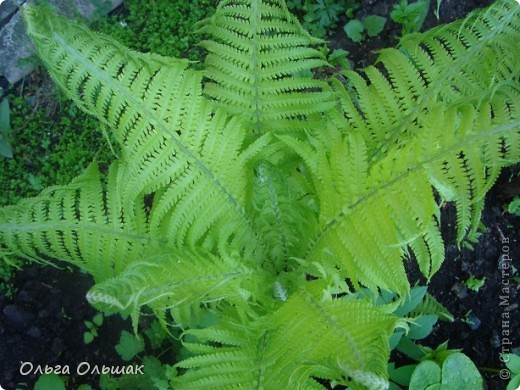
486 321
364 53
43 320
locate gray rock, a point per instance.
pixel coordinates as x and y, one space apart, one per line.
7 9
34 332
460 290
18 316
14 43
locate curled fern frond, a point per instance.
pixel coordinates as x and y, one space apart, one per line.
169 280
280 216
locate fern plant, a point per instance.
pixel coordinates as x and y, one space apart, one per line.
265 198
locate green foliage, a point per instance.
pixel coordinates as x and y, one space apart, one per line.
411 15
92 327
49 382
514 206
154 377
339 58
439 368
437 9
372 24
247 194
322 16
354 30
422 311
475 284
512 362
5 127
155 373
129 345
53 142
164 27
156 335
455 371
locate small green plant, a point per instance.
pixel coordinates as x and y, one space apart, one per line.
437 368
92 327
475 284
129 345
441 368
436 12
512 362
151 372
163 27
372 25
410 15
5 127
433 367
52 142
422 311
339 58
514 206
322 16
50 382
472 320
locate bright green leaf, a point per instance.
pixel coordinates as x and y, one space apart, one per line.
354 29
514 384
374 24
512 362
129 345
49 382
422 326
459 372
5 121
5 148
427 373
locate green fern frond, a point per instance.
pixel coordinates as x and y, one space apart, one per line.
173 141
429 305
164 281
279 214
397 193
342 335
238 184
473 155
462 62
256 49
82 223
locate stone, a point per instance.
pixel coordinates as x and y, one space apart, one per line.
14 42
18 316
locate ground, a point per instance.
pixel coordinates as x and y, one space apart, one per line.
43 313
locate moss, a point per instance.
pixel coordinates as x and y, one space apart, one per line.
53 141
164 27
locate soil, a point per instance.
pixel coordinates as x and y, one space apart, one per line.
487 320
42 319
43 322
